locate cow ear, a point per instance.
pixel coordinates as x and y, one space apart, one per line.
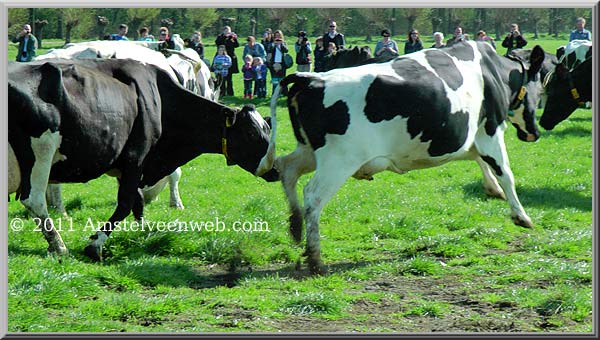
268 120
535 61
230 116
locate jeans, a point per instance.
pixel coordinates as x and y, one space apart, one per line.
247 87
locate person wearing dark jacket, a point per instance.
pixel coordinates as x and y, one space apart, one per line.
230 41
514 39
27 44
275 62
333 36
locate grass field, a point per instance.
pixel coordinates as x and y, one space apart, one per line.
422 252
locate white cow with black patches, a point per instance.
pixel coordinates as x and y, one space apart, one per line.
416 111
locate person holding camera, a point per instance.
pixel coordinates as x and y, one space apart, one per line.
230 40
27 44
303 51
514 39
386 48
458 36
276 64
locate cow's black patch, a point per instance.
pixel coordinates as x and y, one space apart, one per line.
421 98
445 68
462 51
314 118
492 162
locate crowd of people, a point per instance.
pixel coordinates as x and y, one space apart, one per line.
272 55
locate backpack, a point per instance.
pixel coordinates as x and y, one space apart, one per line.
288 61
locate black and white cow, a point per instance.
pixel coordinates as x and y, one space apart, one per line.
567 91
74 120
550 61
574 53
184 66
416 111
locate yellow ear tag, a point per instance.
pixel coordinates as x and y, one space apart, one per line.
574 93
522 92
224 147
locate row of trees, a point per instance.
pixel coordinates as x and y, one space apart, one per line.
92 23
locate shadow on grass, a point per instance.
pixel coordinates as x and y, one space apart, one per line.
572 131
555 198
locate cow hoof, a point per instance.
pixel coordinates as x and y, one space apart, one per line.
316 268
178 206
522 221
94 252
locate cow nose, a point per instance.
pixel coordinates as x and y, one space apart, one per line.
532 138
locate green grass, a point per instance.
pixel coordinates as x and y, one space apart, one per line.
420 252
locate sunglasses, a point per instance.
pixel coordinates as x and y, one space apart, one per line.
332 26
385 35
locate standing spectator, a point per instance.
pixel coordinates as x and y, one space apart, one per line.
230 41
196 44
122 35
482 36
260 73
276 64
248 73
221 64
514 39
413 44
255 49
458 36
145 35
386 48
27 44
333 36
303 51
320 53
164 36
580 33
438 37
267 39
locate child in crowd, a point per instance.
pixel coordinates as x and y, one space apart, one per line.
260 72
248 73
220 65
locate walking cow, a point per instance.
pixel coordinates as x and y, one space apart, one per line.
415 111
74 120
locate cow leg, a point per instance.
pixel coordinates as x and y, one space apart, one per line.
44 149
54 198
490 184
493 151
128 197
291 167
328 178
174 186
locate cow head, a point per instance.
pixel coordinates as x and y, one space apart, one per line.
527 90
246 139
566 93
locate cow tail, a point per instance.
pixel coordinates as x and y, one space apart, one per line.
266 163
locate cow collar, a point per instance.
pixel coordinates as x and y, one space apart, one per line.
522 90
574 93
224 150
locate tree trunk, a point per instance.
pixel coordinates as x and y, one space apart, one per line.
68 34
59 26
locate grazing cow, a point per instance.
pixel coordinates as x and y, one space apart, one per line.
416 111
74 120
185 67
574 53
567 91
550 61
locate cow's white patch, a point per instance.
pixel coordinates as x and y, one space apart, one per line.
14 171
45 151
100 240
